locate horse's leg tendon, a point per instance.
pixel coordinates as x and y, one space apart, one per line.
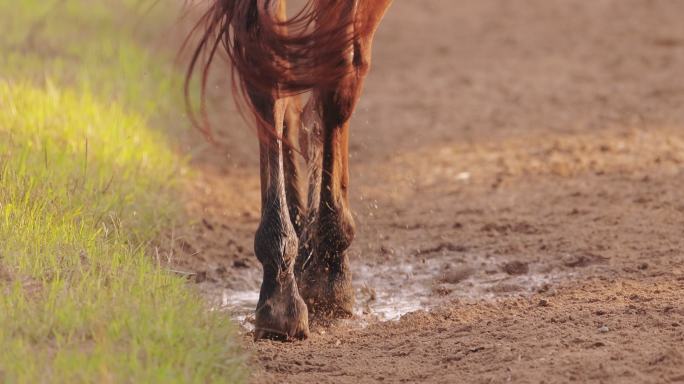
312 149
291 132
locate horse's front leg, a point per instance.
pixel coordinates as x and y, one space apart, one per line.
325 276
281 313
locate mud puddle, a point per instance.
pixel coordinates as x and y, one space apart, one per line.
387 292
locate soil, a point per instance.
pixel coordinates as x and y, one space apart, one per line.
517 182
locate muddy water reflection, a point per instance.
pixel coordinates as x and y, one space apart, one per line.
387 292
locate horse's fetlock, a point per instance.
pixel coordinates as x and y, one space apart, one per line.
275 241
336 227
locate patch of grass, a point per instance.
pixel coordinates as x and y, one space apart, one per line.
109 48
86 182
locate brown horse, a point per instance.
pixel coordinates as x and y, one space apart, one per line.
324 49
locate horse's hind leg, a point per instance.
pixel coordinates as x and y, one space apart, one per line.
325 277
311 145
281 312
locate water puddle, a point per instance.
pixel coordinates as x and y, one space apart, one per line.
387 292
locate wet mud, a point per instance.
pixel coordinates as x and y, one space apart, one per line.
517 178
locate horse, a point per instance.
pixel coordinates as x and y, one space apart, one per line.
324 49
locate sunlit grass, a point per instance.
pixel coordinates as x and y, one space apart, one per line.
86 182
94 46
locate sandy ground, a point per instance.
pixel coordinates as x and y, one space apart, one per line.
517 174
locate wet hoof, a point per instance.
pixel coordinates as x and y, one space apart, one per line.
281 313
327 289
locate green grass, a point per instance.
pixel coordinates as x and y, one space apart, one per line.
86 182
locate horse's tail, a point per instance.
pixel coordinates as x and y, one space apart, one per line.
269 52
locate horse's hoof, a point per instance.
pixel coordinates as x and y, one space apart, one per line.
281 313
327 289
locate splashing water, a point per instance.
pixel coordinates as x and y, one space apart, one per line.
387 292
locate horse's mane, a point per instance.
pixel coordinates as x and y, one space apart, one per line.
268 53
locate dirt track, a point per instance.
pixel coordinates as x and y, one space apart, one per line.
518 169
